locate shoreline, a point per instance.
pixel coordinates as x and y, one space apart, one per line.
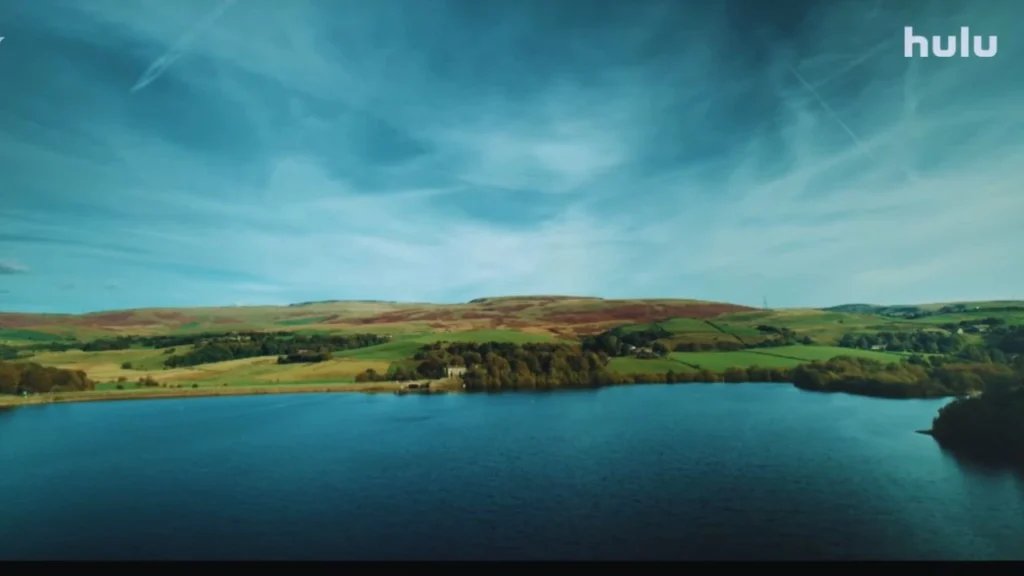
398 388
210 392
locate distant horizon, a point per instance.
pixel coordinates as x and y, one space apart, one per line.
510 296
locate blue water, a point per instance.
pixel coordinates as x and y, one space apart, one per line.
751 471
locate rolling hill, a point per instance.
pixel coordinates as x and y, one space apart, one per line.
701 335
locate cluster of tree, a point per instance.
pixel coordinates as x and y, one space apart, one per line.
304 356
916 341
21 377
315 347
974 326
622 342
990 426
51 346
735 374
1000 345
779 336
9 352
495 366
398 373
912 379
1007 339
506 366
162 341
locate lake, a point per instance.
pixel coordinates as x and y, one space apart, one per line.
695 471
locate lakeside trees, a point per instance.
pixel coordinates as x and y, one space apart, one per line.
901 380
988 427
18 377
506 366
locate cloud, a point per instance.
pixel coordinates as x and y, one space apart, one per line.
11 267
164 62
424 150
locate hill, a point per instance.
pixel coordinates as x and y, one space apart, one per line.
338 341
554 315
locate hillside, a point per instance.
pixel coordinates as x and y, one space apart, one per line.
555 315
338 341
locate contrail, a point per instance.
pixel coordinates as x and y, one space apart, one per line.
156 69
828 109
862 59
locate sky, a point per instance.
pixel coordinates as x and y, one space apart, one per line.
207 153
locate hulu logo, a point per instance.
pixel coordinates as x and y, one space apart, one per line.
949 50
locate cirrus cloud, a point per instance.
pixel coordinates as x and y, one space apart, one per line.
427 150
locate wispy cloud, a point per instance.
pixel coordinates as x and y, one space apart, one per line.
164 62
12 267
428 150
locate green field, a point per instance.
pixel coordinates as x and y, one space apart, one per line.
719 361
674 325
812 353
627 365
780 357
15 335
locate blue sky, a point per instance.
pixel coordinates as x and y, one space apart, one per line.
192 153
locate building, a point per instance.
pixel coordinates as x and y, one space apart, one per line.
454 371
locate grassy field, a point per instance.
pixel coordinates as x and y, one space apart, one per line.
657 365
780 357
106 367
812 353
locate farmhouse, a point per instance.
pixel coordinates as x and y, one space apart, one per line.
878 347
454 371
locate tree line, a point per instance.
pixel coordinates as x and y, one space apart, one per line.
29 377
288 346
916 341
988 427
126 342
917 379
1000 345
1007 339
621 342
507 366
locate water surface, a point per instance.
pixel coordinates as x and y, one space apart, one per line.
750 471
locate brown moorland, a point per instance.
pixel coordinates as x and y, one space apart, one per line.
565 316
